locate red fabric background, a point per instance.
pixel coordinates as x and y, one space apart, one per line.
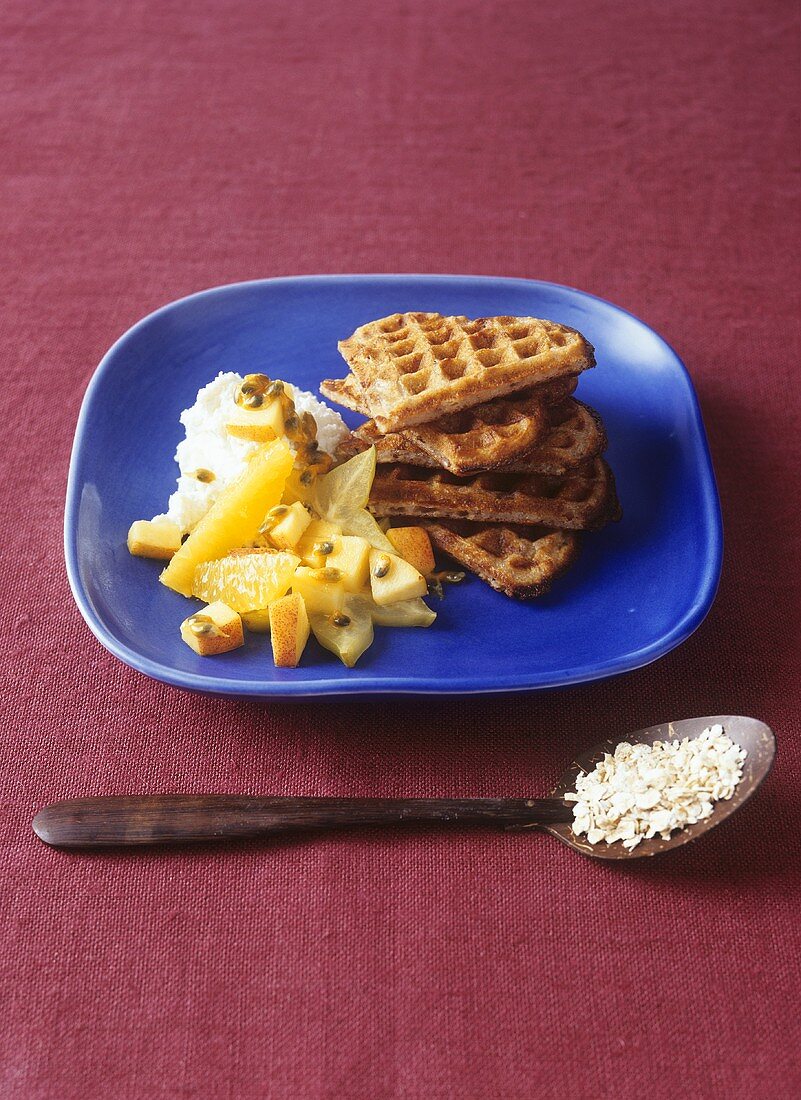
643 151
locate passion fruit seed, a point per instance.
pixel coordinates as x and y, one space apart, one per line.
329 575
453 578
291 422
204 475
251 391
254 401
278 511
324 548
275 388
201 625
382 566
306 477
340 619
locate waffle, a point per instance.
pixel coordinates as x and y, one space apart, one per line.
519 561
575 435
584 499
416 367
484 437
348 393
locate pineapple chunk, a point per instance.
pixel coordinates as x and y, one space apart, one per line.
257 621
235 517
290 527
347 633
259 425
413 544
318 531
154 539
392 579
320 592
213 629
351 557
289 630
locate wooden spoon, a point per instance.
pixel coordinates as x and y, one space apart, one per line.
172 819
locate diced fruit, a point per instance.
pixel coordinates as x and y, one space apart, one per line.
235 517
413 544
351 557
247 580
313 542
214 629
406 613
154 539
290 526
260 425
321 590
347 487
289 629
257 621
299 486
347 633
392 579
363 523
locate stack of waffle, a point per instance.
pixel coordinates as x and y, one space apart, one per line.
479 440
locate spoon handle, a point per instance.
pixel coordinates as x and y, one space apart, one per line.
178 818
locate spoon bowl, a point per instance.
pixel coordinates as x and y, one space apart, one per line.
750 734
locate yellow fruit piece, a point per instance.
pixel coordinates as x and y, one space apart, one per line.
363 523
319 531
259 425
351 557
347 633
247 580
298 489
405 613
149 539
290 527
289 630
235 517
414 545
214 629
392 579
320 593
347 487
257 621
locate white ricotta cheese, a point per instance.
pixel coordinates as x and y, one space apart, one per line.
208 446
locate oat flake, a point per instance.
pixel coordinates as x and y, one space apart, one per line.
641 791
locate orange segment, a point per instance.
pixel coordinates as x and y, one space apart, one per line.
246 581
234 519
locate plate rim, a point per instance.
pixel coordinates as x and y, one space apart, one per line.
340 684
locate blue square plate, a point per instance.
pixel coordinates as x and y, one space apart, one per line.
640 588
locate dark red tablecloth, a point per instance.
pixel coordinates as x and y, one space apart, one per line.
642 151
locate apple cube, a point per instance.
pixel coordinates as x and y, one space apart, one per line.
392 579
213 629
322 590
289 630
258 425
154 539
414 545
351 557
286 533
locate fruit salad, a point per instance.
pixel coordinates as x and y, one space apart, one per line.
275 539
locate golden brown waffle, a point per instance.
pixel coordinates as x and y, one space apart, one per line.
584 499
481 438
519 561
348 393
575 434
416 367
